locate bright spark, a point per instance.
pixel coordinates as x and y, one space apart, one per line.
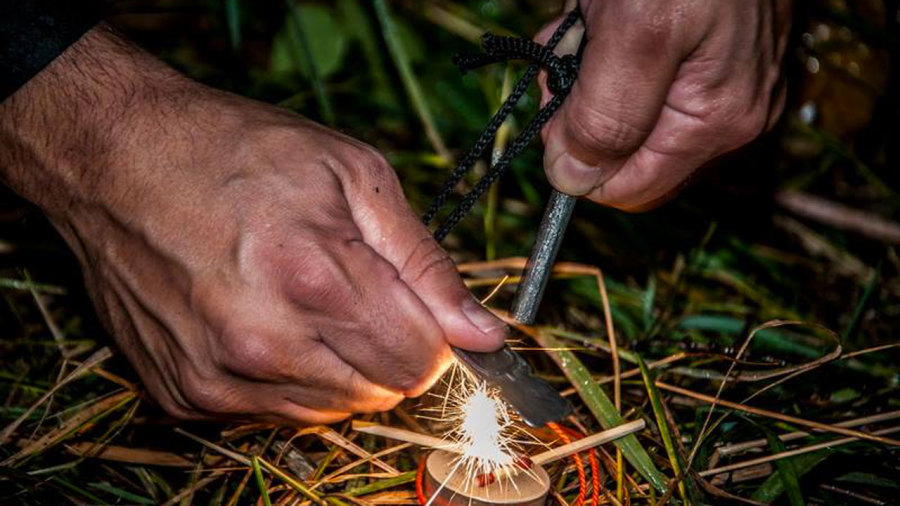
481 428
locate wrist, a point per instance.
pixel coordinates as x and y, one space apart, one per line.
61 131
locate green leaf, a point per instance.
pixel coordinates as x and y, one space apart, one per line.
785 469
602 407
868 479
326 42
121 493
401 58
359 26
648 300
233 17
377 486
773 487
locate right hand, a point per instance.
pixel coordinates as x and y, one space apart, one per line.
664 87
251 264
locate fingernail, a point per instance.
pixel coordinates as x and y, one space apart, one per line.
481 317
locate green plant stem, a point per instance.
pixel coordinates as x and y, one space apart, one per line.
601 406
493 196
662 423
380 485
260 481
410 82
318 85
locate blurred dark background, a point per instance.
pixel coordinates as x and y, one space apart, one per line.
801 224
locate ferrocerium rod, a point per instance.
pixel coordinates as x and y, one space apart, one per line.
533 398
540 264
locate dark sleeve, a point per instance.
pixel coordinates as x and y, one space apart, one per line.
34 32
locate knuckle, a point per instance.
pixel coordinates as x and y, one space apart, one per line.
362 165
247 353
652 31
174 409
203 394
598 132
373 160
425 260
411 382
739 122
383 404
313 279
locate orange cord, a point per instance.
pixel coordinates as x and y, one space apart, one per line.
595 467
420 486
579 463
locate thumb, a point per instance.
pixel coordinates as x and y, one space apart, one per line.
389 226
614 104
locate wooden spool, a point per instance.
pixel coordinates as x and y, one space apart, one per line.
526 488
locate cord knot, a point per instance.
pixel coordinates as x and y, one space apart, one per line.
561 70
562 74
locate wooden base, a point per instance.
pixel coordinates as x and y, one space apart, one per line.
526 488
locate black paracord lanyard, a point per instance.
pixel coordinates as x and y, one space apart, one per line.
561 71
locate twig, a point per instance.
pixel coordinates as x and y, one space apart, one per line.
546 457
778 416
791 453
404 435
333 437
580 445
791 436
840 216
237 457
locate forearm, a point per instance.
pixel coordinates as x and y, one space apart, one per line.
58 131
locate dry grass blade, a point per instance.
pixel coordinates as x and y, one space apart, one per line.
333 437
139 456
778 416
65 429
338 475
198 485
243 459
793 453
736 448
95 359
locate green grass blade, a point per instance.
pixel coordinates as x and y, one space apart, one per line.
861 306
602 407
377 486
785 469
233 17
410 82
260 481
773 487
664 432
130 497
78 490
324 104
